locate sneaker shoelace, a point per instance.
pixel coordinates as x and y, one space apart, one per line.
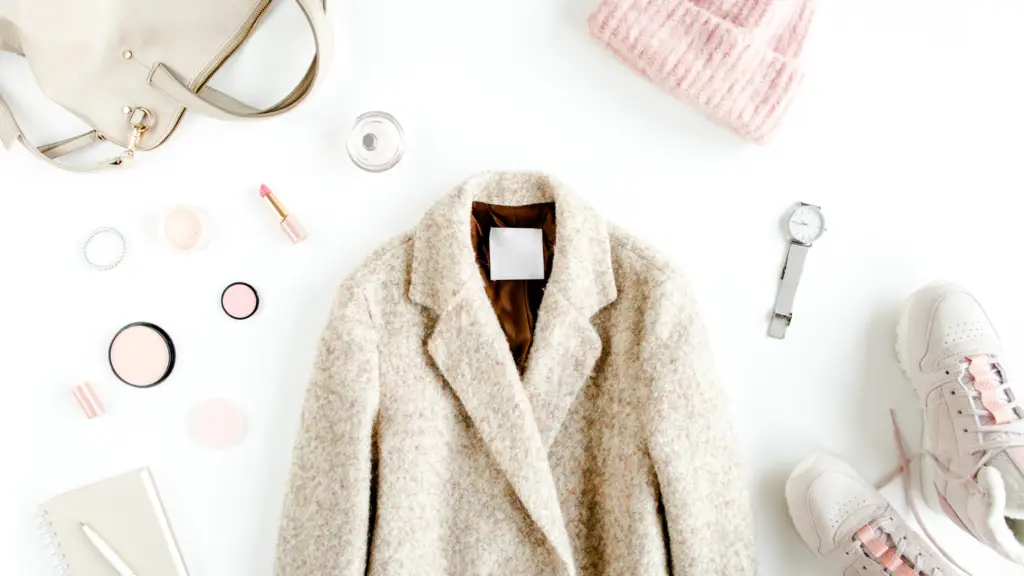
998 413
905 472
994 405
877 538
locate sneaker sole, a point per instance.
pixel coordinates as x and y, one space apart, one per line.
925 465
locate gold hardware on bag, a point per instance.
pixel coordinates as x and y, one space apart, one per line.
140 119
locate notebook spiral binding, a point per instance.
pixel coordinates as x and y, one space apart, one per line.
52 546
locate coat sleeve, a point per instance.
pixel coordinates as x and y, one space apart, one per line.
705 503
326 522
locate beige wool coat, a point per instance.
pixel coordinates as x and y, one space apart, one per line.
426 449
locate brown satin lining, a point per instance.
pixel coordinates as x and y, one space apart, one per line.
515 301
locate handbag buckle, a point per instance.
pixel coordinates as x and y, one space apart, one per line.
141 120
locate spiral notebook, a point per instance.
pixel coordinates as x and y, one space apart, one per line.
127 512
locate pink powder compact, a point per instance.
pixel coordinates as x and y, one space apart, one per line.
240 301
217 424
185 228
141 355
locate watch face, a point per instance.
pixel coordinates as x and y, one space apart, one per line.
806 224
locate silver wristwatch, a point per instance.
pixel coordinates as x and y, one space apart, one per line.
805 225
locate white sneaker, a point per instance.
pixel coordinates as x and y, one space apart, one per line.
845 520
973 469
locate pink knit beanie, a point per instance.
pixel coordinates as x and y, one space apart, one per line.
734 59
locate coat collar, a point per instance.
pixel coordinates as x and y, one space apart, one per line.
443 257
517 418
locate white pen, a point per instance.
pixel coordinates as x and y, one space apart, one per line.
107 551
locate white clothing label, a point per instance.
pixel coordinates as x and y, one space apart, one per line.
517 254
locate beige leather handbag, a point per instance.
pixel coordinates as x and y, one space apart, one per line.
130 69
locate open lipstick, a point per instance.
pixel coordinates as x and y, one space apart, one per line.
289 223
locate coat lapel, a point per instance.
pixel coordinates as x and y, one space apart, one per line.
518 420
565 348
471 352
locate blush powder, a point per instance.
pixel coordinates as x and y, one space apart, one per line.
240 300
217 424
141 355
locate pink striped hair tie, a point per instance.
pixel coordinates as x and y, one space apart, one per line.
89 401
736 60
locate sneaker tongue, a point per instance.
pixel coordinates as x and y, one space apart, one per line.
989 401
888 539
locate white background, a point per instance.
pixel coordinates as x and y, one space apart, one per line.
906 132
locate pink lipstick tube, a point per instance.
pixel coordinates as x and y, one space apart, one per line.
289 223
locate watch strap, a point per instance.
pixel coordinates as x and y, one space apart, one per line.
794 268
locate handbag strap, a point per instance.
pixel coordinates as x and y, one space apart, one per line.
11 132
219 105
